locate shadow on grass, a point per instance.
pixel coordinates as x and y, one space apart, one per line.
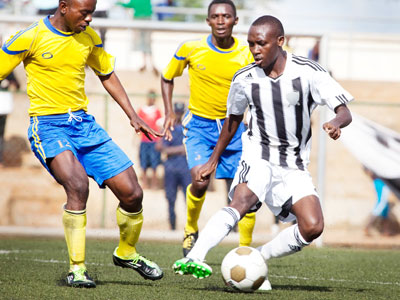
62 282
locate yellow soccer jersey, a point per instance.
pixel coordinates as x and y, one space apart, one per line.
211 70
55 65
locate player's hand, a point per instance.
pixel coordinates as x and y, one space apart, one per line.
169 123
332 130
141 126
204 172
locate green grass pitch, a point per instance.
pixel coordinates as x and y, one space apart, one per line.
35 268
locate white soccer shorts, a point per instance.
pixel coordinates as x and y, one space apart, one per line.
274 185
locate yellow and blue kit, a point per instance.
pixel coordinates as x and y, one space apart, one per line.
55 62
211 70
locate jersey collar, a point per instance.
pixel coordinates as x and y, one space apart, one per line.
47 22
220 50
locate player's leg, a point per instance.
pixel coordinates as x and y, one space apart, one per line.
126 188
219 226
309 226
68 171
171 181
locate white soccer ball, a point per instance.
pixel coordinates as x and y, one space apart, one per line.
244 269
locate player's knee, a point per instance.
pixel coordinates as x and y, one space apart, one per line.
76 187
199 187
132 198
313 229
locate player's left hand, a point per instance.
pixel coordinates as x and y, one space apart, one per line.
332 130
141 126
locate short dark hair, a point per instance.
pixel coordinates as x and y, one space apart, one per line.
229 2
271 20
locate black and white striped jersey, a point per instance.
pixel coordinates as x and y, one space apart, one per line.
280 109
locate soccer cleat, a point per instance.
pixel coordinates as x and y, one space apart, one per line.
196 268
266 286
79 277
146 268
188 241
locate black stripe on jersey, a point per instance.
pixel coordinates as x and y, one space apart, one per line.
314 63
244 69
299 121
280 122
305 61
342 98
250 133
310 102
243 173
255 94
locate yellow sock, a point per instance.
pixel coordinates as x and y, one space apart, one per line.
130 225
194 206
75 235
246 227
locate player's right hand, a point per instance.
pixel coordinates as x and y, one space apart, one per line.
204 172
169 122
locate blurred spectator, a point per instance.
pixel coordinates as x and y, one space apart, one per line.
45 7
314 52
3 3
102 9
380 214
150 158
163 16
177 173
6 106
142 10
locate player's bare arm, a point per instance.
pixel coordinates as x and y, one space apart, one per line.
167 87
114 87
228 130
342 119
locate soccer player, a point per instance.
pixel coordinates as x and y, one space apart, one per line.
68 141
281 90
212 61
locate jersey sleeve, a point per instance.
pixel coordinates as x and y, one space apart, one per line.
16 49
101 62
178 62
327 91
237 100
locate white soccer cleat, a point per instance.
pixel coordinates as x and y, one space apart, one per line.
266 286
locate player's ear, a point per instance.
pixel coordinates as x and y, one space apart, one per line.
236 20
208 21
281 40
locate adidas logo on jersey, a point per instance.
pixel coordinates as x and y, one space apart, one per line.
248 76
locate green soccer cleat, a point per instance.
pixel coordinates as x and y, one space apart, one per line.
146 268
79 277
188 241
196 268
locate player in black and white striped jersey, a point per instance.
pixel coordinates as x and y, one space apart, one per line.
281 91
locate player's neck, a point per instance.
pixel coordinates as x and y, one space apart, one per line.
58 23
223 43
277 68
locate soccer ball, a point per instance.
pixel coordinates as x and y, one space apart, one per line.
244 269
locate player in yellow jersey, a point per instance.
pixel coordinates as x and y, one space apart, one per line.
212 61
68 141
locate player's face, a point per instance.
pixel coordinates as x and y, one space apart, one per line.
78 14
264 44
221 19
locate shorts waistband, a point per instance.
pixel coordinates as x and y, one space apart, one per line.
79 113
205 119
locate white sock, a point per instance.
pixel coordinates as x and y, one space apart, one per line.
214 232
287 242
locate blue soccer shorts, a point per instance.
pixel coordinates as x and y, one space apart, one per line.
79 133
201 136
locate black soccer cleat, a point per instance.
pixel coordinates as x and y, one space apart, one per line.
146 268
80 278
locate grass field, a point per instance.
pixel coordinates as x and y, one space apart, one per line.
35 268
